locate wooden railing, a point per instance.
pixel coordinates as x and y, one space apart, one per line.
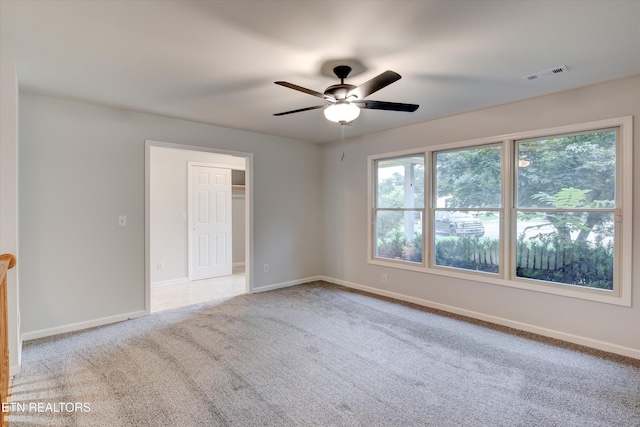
7 261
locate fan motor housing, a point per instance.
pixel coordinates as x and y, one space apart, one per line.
339 91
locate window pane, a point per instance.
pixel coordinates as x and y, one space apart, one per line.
399 235
574 248
469 178
467 240
576 171
400 182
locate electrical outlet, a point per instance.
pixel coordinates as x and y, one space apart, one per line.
384 278
122 220
266 268
160 265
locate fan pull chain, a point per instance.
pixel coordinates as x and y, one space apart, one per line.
342 138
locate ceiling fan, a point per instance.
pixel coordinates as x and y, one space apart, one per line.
344 101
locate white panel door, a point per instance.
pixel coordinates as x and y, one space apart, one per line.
210 212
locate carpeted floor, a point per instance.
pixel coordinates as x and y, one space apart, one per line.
317 355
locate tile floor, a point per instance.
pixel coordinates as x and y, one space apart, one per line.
188 293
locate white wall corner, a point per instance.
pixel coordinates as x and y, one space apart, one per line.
9 202
286 284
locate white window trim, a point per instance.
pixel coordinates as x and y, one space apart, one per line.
371 179
624 190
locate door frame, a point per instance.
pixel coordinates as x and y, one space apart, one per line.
147 209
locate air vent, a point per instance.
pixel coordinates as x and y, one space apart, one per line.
556 70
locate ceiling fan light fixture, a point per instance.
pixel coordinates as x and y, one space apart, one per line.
342 102
342 112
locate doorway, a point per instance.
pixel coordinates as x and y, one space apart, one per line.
169 281
178 295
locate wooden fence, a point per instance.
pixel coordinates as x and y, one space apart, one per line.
578 263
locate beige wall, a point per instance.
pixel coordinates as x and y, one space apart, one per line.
82 165
346 212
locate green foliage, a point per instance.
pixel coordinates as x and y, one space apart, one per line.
391 246
566 222
548 258
553 259
390 191
470 177
585 162
580 162
469 253
387 225
397 246
565 198
413 250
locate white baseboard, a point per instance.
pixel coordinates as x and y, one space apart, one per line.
575 339
238 264
169 282
286 284
81 325
27 336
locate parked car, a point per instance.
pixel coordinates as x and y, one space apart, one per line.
458 224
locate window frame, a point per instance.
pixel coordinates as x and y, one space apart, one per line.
373 201
620 295
433 209
372 178
516 209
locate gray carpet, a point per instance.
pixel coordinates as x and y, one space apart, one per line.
318 355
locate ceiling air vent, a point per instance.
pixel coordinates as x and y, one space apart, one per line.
556 70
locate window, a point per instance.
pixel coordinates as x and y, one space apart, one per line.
546 210
399 208
466 216
566 207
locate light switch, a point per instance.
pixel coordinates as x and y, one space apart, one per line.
122 220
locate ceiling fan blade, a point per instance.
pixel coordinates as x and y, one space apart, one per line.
381 105
303 89
375 84
299 110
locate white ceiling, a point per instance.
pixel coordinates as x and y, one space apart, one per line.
216 61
